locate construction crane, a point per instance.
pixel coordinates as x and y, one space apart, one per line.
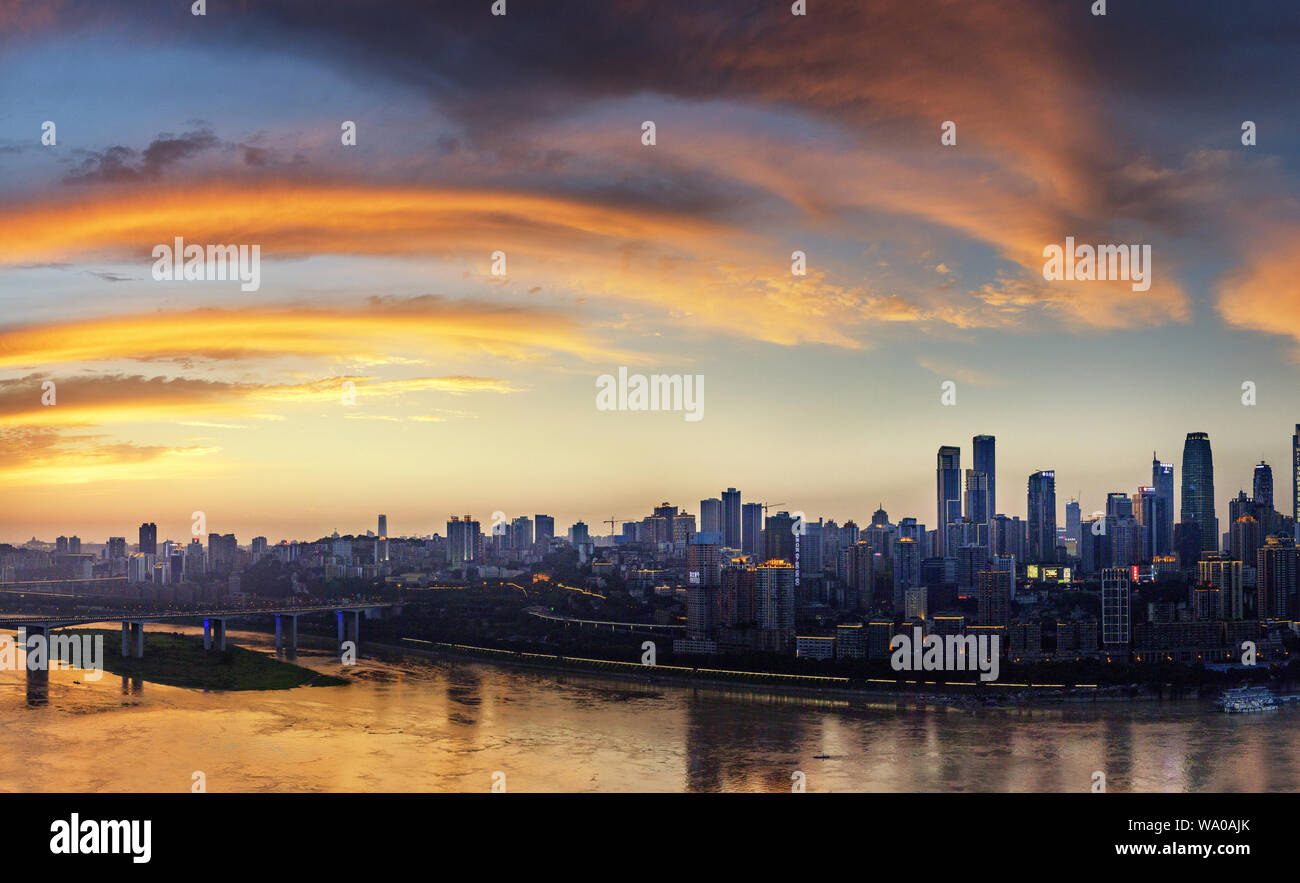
611 521
765 508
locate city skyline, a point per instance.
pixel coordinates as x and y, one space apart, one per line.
688 504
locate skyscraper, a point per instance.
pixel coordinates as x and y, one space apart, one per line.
752 528
977 504
545 531
711 516
383 525
985 461
948 493
1073 518
1198 489
1162 479
1295 475
1263 485
1042 517
731 518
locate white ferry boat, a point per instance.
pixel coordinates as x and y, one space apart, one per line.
1244 699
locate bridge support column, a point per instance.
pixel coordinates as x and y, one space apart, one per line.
137 640
38 677
354 627
291 639
277 634
218 639
126 639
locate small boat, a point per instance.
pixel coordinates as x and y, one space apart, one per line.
821 757
1247 699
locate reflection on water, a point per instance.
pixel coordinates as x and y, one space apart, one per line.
448 725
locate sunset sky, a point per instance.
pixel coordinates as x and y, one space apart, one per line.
522 134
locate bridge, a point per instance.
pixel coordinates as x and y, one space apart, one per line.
214 622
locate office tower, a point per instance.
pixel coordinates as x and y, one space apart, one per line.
752 524
948 492
774 592
60 545
985 461
1148 508
995 597
259 547
1263 485
731 518
1225 578
383 525
1115 609
1295 475
578 534
1042 517
74 545
117 547
1162 479
1073 516
977 504
148 539
464 542
1198 489
1118 504
1276 578
545 529
711 517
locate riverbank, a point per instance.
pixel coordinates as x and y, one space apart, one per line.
178 660
992 695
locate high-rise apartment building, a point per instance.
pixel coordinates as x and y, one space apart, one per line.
711 517
1115 609
752 529
148 539
731 518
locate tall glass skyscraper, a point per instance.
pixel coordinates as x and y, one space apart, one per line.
1198 489
1162 479
948 493
1295 474
1263 485
986 461
1042 517
731 518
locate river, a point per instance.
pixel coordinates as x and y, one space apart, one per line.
452 725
